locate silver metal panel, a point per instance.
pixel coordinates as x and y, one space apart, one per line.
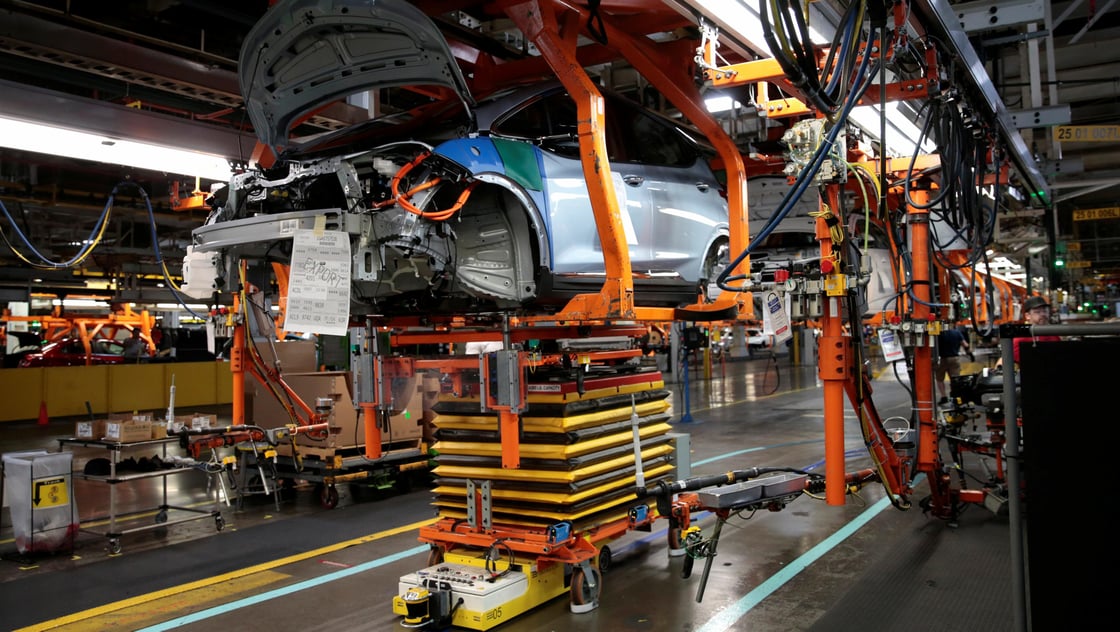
985 16
262 228
732 496
1041 117
682 450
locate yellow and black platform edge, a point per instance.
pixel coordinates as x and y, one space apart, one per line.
497 473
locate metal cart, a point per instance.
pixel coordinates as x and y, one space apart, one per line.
163 517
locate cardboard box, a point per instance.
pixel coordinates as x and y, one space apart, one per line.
128 431
194 421
159 430
296 357
90 429
347 426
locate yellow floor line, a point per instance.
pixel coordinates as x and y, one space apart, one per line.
244 572
159 610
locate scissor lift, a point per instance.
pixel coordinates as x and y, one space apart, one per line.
537 461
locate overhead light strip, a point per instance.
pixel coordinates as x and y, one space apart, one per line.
59 141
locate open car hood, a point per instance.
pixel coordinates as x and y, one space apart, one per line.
304 54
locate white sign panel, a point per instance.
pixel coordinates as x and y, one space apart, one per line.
775 319
319 285
18 308
892 349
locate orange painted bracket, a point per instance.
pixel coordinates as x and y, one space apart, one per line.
193 201
834 357
902 91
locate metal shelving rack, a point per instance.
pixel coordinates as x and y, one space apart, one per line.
162 519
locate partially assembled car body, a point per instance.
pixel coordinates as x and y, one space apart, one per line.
452 205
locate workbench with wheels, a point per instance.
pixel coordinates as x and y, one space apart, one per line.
327 467
164 517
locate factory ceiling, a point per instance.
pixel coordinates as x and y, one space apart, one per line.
166 71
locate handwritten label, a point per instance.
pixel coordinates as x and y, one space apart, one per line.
319 286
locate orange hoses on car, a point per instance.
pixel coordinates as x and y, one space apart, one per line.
403 199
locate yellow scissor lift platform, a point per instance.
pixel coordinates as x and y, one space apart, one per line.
537 460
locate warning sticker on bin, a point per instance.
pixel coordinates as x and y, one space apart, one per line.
50 492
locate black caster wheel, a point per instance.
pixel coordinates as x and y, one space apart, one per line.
604 559
114 546
328 497
219 523
161 517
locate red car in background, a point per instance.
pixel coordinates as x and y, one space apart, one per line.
70 352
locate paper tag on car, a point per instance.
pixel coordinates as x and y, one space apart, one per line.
319 286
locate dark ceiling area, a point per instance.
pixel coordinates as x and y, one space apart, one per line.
168 68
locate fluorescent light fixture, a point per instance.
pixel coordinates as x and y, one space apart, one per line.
902 134
79 302
741 20
58 141
171 307
715 105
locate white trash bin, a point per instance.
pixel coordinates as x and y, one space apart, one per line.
39 490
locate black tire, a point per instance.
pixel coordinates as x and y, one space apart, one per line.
604 559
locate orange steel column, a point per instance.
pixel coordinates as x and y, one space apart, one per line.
509 423
672 80
237 365
832 367
373 431
557 41
918 219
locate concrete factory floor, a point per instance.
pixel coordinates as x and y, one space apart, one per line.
812 566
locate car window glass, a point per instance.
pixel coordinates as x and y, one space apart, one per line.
788 240
552 120
647 139
632 134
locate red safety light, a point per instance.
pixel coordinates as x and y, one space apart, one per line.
826 266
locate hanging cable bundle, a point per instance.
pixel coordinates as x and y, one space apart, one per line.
787 35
